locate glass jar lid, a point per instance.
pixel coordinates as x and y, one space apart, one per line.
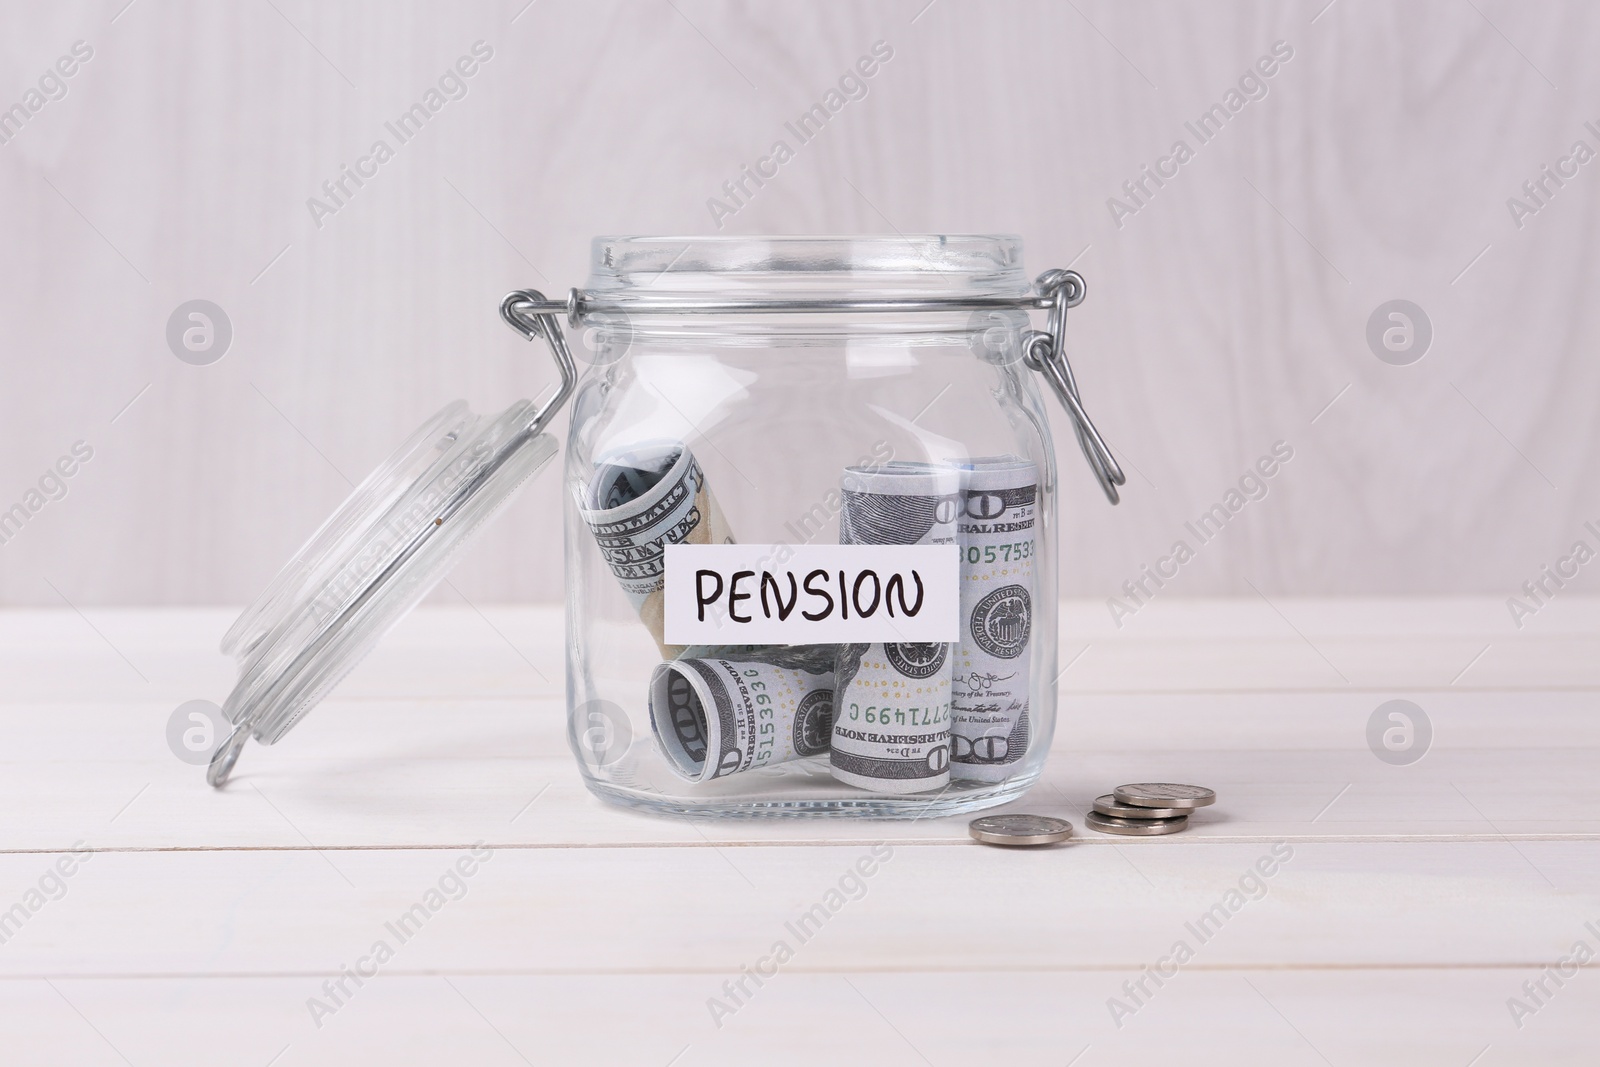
380 553
385 548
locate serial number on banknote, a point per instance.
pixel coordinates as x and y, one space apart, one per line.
885 715
1000 553
754 692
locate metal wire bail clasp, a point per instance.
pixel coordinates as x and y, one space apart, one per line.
530 314
1045 352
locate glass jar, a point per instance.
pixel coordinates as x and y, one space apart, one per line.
810 527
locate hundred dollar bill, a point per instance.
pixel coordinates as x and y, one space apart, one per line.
891 724
638 502
716 717
990 729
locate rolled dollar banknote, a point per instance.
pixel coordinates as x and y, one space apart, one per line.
990 728
716 717
641 500
891 724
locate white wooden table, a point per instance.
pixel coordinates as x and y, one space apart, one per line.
1417 900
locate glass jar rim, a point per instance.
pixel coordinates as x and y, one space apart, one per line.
816 265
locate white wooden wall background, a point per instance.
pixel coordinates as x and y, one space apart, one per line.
1224 316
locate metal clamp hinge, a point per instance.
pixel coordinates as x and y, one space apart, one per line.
1045 351
523 312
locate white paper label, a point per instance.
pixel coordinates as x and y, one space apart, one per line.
811 594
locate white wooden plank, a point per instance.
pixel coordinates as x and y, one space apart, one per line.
456 770
931 907
452 769
1412 1018
440 773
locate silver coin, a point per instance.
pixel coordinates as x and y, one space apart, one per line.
1107 805
1108 824
1019 830
1164 795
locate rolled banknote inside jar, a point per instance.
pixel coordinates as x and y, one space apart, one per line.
639 501
990 729
891 724
716 717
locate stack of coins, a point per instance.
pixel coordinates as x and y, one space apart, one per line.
1148 809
